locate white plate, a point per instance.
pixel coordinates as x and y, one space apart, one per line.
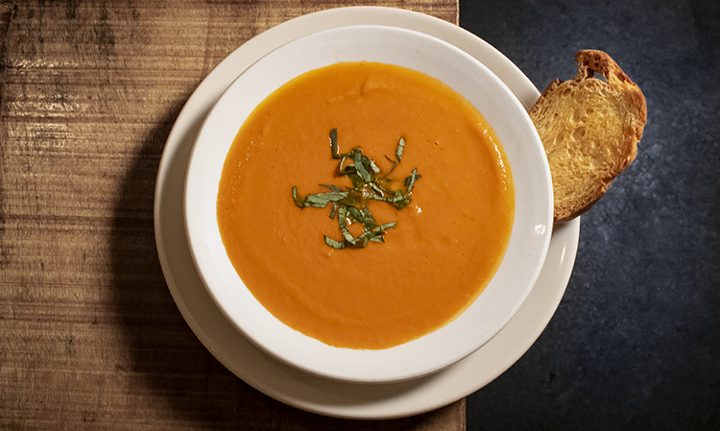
289 385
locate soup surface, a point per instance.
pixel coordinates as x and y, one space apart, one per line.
446 245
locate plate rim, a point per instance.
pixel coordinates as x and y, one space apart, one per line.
313 393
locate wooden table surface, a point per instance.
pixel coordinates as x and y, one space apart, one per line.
90 337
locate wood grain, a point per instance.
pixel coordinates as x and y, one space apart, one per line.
90 337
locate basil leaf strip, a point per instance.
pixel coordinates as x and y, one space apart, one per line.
351 205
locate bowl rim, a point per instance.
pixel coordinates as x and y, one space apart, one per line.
355 365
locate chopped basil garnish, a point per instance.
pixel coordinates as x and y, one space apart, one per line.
351 205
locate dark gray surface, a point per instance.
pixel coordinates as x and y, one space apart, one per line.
635 342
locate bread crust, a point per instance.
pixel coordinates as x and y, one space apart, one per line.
590 129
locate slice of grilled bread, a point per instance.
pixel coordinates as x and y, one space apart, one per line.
590 129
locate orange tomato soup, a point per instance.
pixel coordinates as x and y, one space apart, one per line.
446 246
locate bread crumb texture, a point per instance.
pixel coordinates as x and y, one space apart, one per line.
590 129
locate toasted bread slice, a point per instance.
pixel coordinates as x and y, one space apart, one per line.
590 129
